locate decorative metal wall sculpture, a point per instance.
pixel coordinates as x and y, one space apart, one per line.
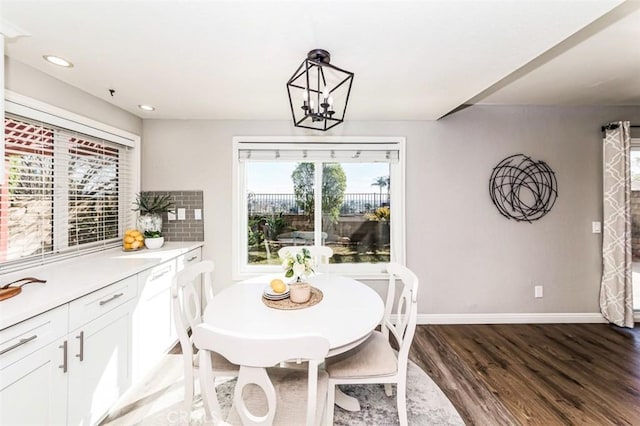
523 189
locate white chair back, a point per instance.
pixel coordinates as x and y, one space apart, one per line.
187 313
401 315
186 303
254 355
320 255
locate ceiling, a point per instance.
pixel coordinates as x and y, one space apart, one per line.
413 60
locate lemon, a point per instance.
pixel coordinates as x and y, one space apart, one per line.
278 285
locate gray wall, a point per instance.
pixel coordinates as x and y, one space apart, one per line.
470 259
30 82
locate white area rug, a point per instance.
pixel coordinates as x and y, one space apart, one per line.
159 402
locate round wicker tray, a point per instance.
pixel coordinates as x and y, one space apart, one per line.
287 304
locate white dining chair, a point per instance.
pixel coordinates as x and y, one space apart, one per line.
280 392
320 255
375 361
187 313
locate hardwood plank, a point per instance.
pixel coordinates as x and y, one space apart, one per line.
473 400
543 374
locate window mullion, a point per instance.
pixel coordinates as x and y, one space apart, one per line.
61 191
317 201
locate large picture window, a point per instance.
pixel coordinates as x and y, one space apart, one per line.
64 192
345 194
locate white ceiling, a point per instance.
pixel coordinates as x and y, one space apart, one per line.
413 60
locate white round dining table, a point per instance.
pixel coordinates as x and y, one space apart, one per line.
348 312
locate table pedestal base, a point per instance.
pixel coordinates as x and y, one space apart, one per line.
345 401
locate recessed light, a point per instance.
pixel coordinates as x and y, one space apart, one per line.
146 107
57 60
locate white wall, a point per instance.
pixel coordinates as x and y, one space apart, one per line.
30 82
470 259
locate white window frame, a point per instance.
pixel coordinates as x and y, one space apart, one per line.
241 270
27 107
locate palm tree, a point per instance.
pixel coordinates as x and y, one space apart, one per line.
381 182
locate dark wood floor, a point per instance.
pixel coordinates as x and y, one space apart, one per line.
542 374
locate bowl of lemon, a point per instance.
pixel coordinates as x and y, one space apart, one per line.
133 240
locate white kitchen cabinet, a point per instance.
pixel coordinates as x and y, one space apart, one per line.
49 375
154 331
42 385
33 379
189 258
99 364
70 364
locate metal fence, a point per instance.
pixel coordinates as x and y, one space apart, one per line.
353 203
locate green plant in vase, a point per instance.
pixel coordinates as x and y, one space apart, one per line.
151 208
153 239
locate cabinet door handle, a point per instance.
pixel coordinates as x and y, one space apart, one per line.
81 353
64 357
20 343
160 274
111 299
194 257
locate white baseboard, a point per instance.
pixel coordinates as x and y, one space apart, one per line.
515 318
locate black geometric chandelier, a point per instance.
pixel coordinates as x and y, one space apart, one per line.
319 92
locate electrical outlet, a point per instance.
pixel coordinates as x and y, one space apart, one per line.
171 216
197 213
596 227
182 214
538 292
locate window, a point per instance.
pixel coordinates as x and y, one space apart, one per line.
64 191
346 193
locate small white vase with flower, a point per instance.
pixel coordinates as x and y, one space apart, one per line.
298 265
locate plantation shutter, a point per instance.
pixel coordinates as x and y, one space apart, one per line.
64 191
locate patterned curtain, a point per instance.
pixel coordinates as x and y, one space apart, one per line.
616 299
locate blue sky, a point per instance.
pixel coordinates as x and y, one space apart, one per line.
275 178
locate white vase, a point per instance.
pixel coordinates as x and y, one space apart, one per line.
150 222
154 243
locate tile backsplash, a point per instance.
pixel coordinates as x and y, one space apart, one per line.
189 229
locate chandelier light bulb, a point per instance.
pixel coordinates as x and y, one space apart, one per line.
325 92
330 100
305 95
311 104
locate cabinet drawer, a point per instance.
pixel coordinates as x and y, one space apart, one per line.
21 339
100 302
191 257
157 279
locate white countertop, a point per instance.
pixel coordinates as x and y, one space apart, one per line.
70 279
